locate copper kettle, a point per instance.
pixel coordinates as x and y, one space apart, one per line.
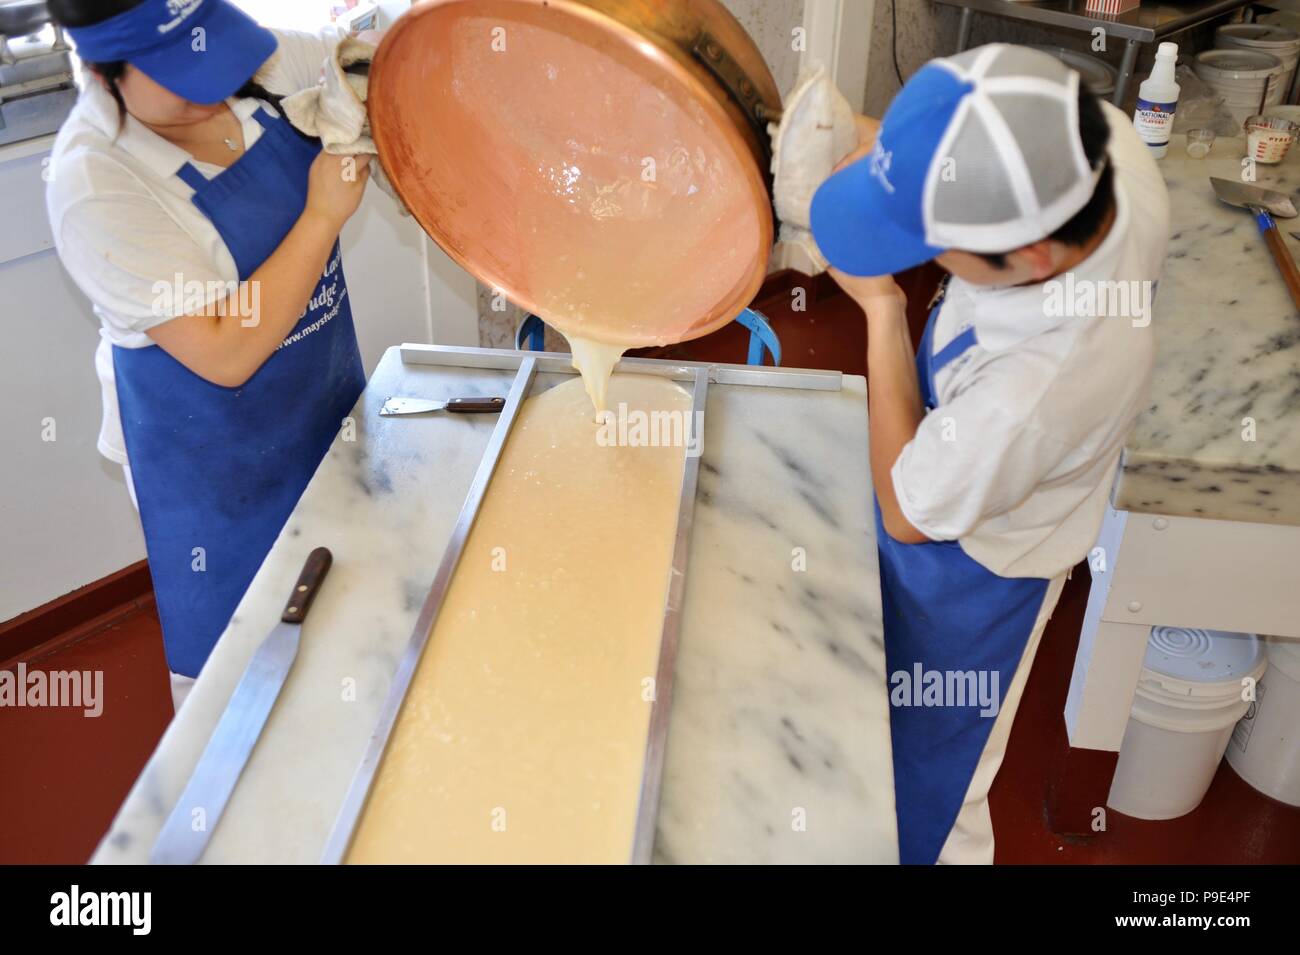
603 163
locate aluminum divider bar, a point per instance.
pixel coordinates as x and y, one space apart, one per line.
358 794
652 770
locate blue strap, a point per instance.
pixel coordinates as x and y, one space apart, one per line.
192 177
264 119
953 350
761 337
533 329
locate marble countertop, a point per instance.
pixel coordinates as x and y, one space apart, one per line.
1227 349
778 747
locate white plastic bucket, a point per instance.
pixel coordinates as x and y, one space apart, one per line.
1265 746
1248 80
1280 41
1189 697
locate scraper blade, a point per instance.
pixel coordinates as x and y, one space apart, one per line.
187 830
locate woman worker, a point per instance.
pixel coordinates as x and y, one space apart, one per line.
204 230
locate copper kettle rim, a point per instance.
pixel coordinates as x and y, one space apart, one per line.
739 133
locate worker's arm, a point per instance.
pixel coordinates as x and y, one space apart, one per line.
231 337
893 392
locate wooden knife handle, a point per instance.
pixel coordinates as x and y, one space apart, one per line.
475 405
1282 256
309 581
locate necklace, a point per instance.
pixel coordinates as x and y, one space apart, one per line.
233 143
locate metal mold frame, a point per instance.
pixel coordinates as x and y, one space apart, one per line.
527 366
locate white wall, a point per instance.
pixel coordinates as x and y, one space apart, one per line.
65 518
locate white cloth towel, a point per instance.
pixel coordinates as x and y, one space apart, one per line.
334 110
816 131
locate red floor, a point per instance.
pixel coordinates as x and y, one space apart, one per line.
65 774
1233 825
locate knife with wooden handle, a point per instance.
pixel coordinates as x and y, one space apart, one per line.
187 830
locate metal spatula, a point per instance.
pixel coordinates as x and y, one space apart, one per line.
400 406
185 834
1265 204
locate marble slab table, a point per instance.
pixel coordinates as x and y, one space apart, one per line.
778 744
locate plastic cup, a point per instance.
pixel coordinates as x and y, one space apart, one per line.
1199 142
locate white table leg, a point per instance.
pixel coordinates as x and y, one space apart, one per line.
1109 658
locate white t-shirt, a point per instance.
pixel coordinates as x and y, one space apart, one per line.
123 220
1017 460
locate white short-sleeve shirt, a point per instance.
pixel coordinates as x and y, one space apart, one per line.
123 221
1017 459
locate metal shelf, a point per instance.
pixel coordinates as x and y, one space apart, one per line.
1154 20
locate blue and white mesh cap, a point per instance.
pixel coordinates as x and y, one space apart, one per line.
979 151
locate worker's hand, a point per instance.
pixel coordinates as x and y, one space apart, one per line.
335 186
873 292
867 129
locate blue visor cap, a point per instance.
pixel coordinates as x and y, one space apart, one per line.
869 218
201 50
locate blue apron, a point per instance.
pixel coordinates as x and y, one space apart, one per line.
944 612
218 470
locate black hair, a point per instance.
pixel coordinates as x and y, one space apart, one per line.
1087 222
84 13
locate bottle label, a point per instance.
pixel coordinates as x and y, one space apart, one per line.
1154 121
